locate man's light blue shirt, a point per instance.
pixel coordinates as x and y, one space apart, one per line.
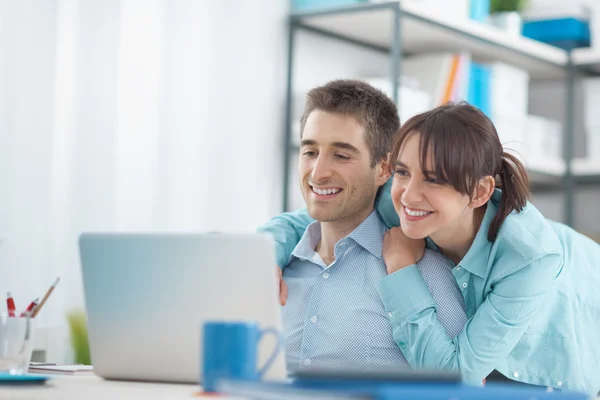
334 316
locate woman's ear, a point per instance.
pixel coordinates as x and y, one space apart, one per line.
483 191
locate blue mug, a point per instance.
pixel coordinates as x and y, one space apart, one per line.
230 351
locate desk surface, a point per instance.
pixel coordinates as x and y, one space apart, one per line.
91 387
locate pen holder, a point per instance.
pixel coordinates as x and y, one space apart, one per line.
16 343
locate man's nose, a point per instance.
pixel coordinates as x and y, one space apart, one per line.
321 169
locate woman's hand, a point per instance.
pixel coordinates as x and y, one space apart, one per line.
400 251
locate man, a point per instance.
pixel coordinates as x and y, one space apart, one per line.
334 316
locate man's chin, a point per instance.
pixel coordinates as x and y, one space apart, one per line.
322 215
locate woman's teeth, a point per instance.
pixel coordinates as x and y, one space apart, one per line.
324 192
416 213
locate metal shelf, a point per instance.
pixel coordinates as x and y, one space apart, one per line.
587 60
422 32
399 29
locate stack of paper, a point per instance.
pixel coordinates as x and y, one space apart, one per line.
68 369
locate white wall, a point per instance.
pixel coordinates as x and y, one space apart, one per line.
132 115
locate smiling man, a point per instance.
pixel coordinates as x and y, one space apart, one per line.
334 316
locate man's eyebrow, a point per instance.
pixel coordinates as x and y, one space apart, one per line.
339 145
345 146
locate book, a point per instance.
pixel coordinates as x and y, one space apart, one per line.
51 368
256 390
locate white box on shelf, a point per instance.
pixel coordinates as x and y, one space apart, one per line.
555 9
509 91
412 100
591 92
592 139
595 25
511 133
543 138
586 166
448 9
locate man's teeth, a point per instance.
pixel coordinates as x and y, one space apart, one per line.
324 192
416 213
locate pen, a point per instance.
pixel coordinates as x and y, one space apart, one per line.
48 293
30 307
10 303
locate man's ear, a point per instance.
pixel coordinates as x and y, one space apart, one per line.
483 191
382 171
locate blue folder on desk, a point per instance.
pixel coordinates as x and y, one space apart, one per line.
389 391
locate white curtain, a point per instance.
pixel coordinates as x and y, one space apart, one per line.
132 115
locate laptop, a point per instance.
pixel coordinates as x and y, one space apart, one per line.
147 296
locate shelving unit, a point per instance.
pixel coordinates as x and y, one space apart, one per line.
588 60
401 29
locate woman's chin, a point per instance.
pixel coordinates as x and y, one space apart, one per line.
413 233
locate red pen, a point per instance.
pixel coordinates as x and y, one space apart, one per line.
10 303
30 307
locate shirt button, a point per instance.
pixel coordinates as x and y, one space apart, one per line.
464 285
402 345
307 361
313 319
559 383
325 275
516 374
390 314
458 268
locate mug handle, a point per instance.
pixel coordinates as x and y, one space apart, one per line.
273 355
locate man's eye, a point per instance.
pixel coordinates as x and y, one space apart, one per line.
309 153
342 157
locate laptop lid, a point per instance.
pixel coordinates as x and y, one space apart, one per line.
147 296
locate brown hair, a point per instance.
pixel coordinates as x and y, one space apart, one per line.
373 110
465 147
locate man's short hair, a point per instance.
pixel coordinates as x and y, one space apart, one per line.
373 110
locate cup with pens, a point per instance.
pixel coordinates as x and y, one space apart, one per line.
17 331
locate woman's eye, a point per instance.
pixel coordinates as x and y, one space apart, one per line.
401 172
433 181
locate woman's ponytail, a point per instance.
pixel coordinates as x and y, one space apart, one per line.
515 186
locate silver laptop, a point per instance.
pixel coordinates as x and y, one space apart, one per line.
147 296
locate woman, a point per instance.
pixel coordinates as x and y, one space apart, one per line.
531 286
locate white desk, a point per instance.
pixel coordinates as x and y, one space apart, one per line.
91 387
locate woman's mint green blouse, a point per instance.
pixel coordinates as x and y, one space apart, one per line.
532 298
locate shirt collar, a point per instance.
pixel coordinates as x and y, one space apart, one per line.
305 249
369 235
476 259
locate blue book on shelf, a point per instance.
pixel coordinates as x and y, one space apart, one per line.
479 87
480 10
303 5
566 33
